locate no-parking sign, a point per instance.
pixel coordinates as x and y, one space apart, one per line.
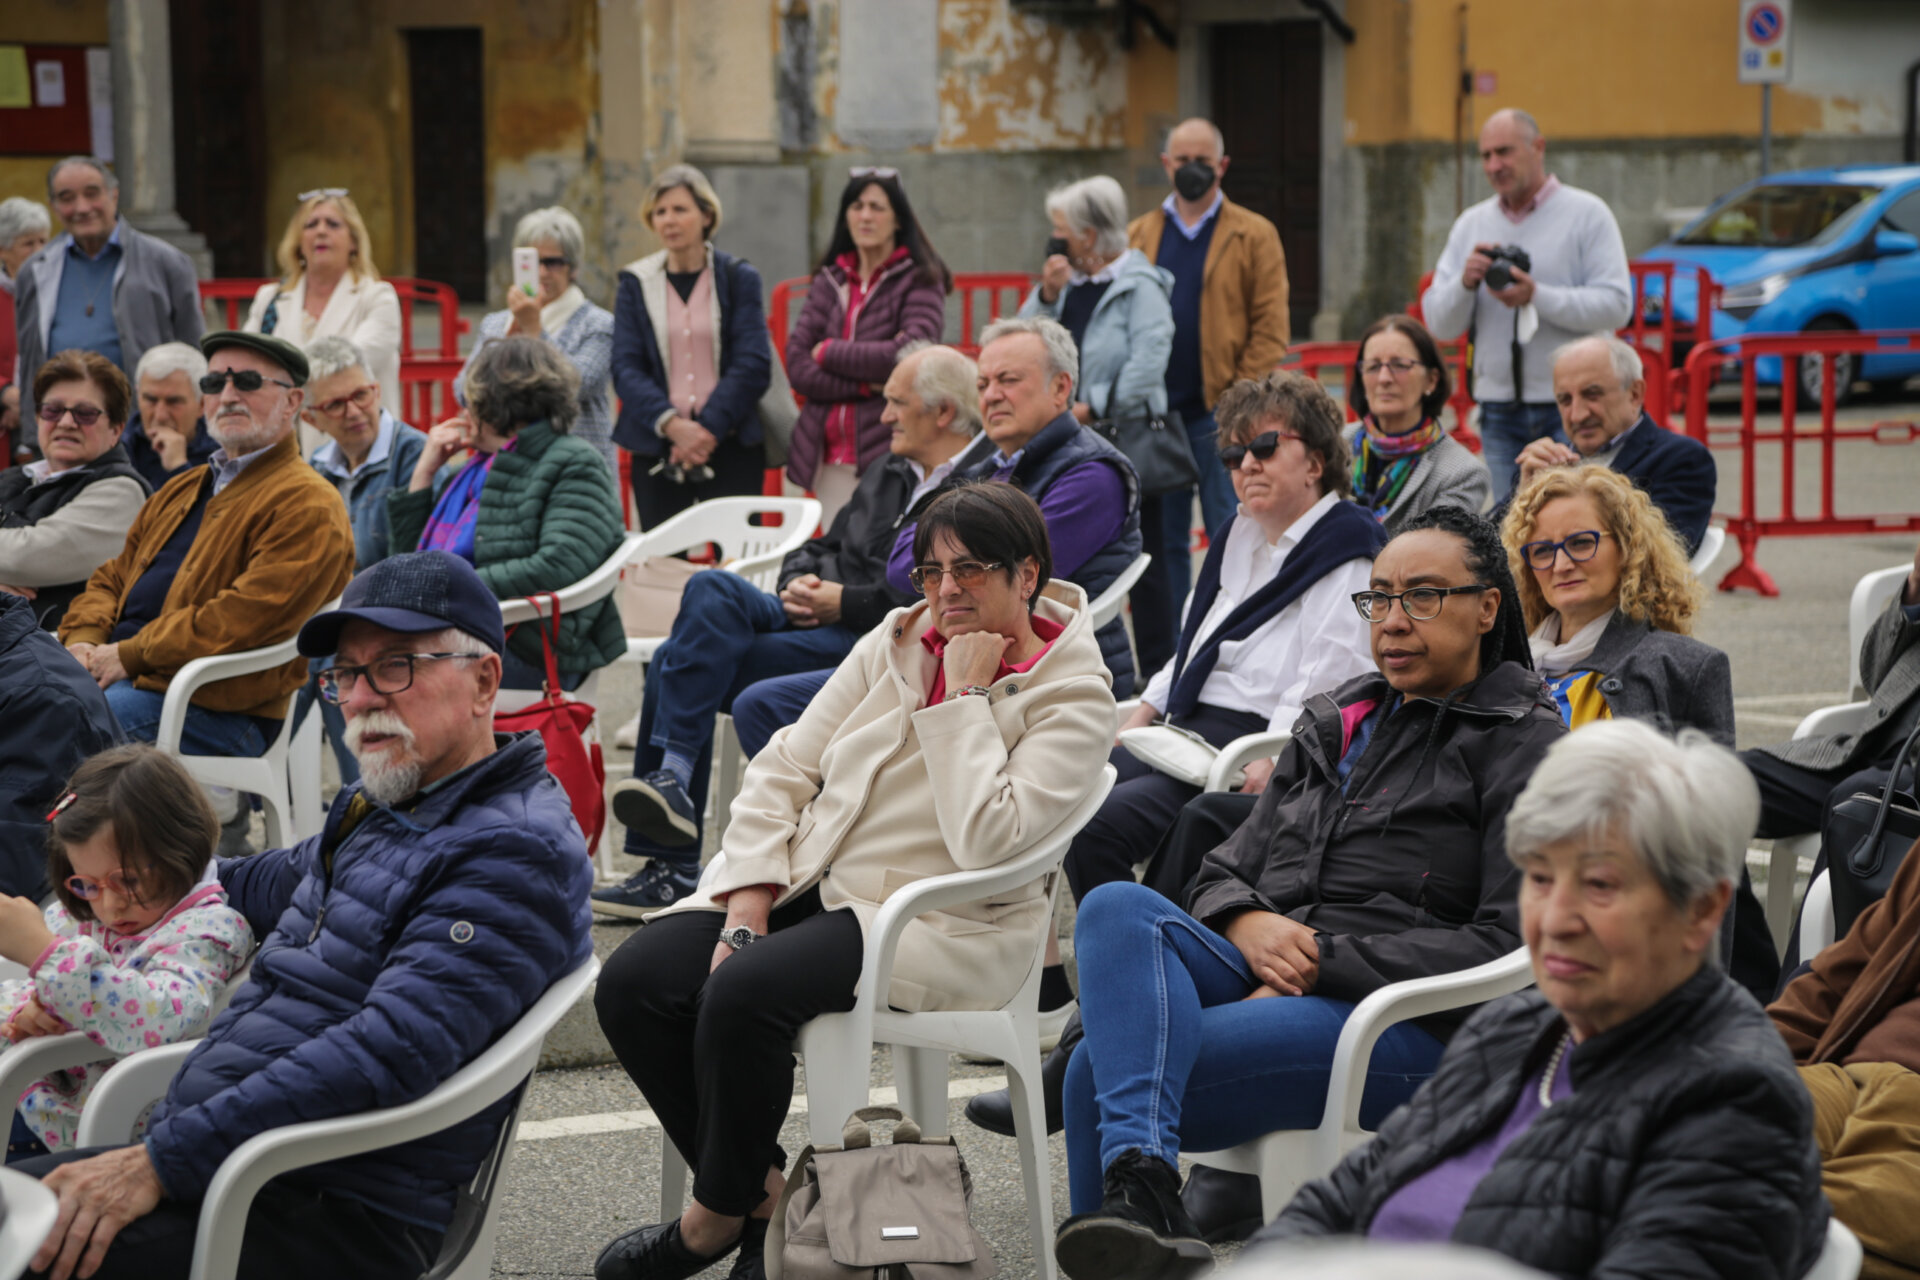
1766 41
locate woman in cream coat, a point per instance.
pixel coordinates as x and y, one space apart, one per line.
331 288
955 736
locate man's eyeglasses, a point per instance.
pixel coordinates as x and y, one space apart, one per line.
1583 545
1261 446
1422 604
1399 368
967 575
243 380
360 398
86 888
386 677
330 193
870 171
84 414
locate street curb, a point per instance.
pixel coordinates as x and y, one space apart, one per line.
576 1040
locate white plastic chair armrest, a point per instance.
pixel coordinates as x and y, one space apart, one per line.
748 566
136 1081
1107 607
1399 1002
204 671
31 1213
1848 717
596 586
1816 918
30 1060
1241 752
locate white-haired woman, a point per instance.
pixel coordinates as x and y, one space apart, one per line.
1116 305
559 312
24 228
1635 1113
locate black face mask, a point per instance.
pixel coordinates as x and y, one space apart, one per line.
1193 179
1056 246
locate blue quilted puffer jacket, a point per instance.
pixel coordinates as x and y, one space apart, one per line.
429 935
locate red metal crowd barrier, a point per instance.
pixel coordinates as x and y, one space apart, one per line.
236 295
1747 526
426 389
1317 359
997 293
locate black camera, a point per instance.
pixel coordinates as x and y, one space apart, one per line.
1056 245
1506 258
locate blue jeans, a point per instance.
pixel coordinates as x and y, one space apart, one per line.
727 635
206 733
1217 505
332 720
1506 429
1175 1055
763 709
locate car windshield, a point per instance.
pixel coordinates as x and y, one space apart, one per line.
1782 216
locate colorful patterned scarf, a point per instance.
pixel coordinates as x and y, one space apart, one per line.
1389 461
456 513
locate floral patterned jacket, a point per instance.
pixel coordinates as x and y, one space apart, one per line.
126 993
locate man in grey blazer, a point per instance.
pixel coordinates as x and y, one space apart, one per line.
101 286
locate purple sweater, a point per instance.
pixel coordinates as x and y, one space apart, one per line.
1084 510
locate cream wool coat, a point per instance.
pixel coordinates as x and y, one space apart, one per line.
872 789
367 312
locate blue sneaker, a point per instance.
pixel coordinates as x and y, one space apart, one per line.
658 809
656 885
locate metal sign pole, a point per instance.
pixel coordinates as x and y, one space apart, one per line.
1766 129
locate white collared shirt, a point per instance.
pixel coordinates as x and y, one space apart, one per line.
227 469
1316 643
1193 232
330 461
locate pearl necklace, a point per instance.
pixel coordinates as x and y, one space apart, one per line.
1553 1068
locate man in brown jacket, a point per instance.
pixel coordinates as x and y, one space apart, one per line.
1852 1021
232 555
1229 320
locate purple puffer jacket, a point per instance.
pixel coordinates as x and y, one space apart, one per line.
902 307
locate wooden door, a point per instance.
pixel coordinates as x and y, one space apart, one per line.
1266 100
219 135
444 68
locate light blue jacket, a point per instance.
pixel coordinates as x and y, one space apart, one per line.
1124 353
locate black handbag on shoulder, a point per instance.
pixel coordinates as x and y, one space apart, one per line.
1156 445
1876 832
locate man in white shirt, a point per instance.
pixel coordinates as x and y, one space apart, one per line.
1577 284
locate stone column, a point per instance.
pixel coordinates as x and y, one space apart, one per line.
143 125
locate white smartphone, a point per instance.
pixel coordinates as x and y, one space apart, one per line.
526 270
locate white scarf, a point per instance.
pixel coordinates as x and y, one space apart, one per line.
1553 657
554 316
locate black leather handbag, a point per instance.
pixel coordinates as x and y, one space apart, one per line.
1876 832
1156 445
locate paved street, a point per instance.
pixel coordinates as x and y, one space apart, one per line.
588 1162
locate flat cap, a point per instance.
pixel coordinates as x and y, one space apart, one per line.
278 350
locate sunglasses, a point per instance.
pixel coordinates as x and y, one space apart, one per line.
555 264
243 380
1584 545
871 171
331 193
87 889
966 575
1261 446
84 414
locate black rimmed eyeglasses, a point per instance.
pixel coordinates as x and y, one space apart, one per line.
1584 545
1422 604
386 677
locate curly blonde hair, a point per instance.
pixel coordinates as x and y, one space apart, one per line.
1655 583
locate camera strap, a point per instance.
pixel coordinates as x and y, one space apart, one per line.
1519 391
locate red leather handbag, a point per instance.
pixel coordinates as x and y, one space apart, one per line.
562 723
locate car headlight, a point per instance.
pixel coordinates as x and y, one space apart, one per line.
1742 300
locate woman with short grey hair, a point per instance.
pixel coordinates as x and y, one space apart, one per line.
534 509
559 312
24 227
1635 1113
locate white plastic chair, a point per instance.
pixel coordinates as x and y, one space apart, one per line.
1710 543
1241 752
838 1046
1817 925
1842 1256
1107 607
1287 1159
286 776
31 1211
592 589
753 551
1870 596
467 1252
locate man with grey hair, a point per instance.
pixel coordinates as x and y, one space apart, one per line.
1600 389
102 285
167 434
1574 281
729 634
23 231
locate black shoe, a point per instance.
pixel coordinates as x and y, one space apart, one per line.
994 1111
1140 1231
656 885
653 1253
752 1262
1224 1206
657 807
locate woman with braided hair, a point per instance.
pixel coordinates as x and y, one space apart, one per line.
1376 854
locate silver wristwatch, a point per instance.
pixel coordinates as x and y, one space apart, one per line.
738 936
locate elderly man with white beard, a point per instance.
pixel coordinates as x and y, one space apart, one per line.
233 555
445 893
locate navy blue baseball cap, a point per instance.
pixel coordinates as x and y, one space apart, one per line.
411 593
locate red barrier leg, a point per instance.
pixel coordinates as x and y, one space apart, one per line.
1748 573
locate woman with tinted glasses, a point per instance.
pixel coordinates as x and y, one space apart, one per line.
67 514
1404 462
954 737
879 286
1375 854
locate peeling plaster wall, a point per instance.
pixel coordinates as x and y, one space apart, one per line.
1013 82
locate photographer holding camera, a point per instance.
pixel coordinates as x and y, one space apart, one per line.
1525 272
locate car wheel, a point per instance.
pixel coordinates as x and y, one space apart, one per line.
1846 367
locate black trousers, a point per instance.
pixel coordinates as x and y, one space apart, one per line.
294 1233
1134 819
1156 614
713 1052
739 471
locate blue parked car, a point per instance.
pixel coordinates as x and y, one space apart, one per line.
1809 250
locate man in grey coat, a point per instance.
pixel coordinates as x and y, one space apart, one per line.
101 286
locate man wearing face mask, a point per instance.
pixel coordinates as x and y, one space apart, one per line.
1229 314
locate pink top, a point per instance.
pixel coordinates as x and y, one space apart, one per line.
843 439
691 360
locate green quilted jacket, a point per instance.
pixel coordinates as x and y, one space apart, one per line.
549 516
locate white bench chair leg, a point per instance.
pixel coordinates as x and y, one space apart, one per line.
1782 868
920 1080
673 1179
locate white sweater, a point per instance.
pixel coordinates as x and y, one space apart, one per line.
1581 286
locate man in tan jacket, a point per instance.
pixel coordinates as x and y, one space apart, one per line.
1229 317
233 555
